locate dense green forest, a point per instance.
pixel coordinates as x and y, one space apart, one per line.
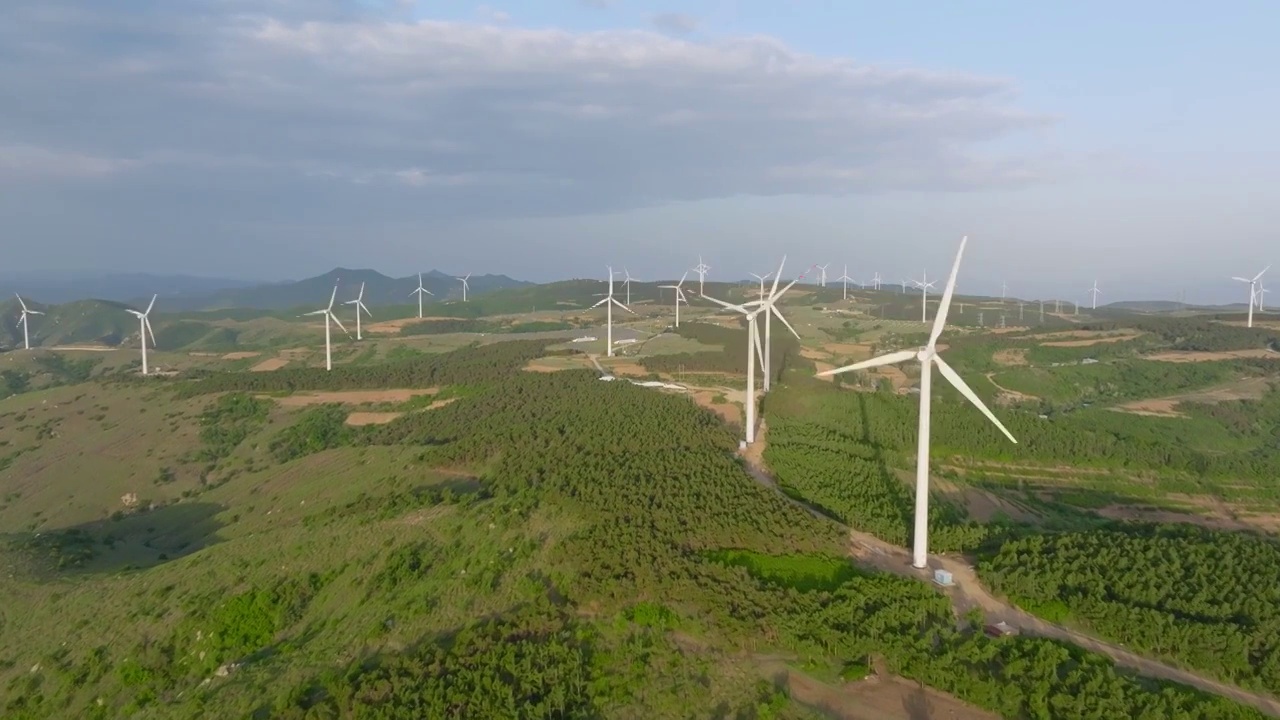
1206 599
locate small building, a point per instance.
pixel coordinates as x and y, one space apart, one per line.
943 577
1000 629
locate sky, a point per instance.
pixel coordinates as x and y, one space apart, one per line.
1132 143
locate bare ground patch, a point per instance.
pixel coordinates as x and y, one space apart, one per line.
555 364
270 364
353 397
1010 356
813 354
1086 342
1008 329
1245 389
849 349
393 327
624 367
1008 396
1200 356
244 355
359 419
879 696
726 410
1080 334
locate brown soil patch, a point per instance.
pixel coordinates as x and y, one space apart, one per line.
353 397
1091 341
820 366
1078 334
1196 356
1007 329
877 697
240 355
849 349
440 403
896 376
728 411
270 364
1246 389
202 354
357 419
1010 356
813 354
1212 521
623 367
546 365
1008 396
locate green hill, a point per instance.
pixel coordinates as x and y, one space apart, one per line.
81 322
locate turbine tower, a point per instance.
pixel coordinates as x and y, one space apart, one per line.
144 323
465 286
680 298
929 358
701 268
627 284
1253 290
762 278
359 303
822 275
420 292
609 302
766 361
25 323
327 312
924 285
875 281
1095 292
845 279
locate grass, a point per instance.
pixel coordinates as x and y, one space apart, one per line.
805 573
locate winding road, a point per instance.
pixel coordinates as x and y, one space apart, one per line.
968 593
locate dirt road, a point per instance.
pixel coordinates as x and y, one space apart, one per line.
968 593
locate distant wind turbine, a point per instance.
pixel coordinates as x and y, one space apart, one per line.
1095 292
1253 290
627 284
608 303
766 363
762 278
924 285
327 312
359 303
822 275
26 334
701 268
465 286
420 291
145 329
680 298
875 281
929 358
845 279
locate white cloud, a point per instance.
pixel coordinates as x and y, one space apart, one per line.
675 23
234 110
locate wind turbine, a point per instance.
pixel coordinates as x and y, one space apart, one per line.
680 298
419 292
1253 290
924 285
327 312
822 274
465 286
875 281
762 278
701 268
771 302
627 283
359 303
26 335
845 279
1004 290
1095 292
145 329
928 358
609 302
1262 295
753 346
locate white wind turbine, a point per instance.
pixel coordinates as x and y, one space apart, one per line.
875 281
627 284
701 268
846 280
26 324
327 312
1253 290
420 291
924 285
1095 292
359 303
762 278
771 302
465 286
1262 296
680 298
822 275
608 303
144 324
928 358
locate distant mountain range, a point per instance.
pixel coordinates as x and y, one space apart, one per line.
179 293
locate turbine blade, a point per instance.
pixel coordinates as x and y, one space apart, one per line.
940 319
605 300
759 346
890 359
314 312
335 319
724 304
1236 277
333 297
778 315
20 302
153 303
37 312
1259 275
361 306
963 387
624 307
774 290
147 322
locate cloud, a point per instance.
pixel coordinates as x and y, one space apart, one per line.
598 4
493 16
230 111
675 23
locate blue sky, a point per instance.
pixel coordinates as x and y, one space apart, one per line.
1132 142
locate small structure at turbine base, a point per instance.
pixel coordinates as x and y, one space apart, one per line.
943 578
